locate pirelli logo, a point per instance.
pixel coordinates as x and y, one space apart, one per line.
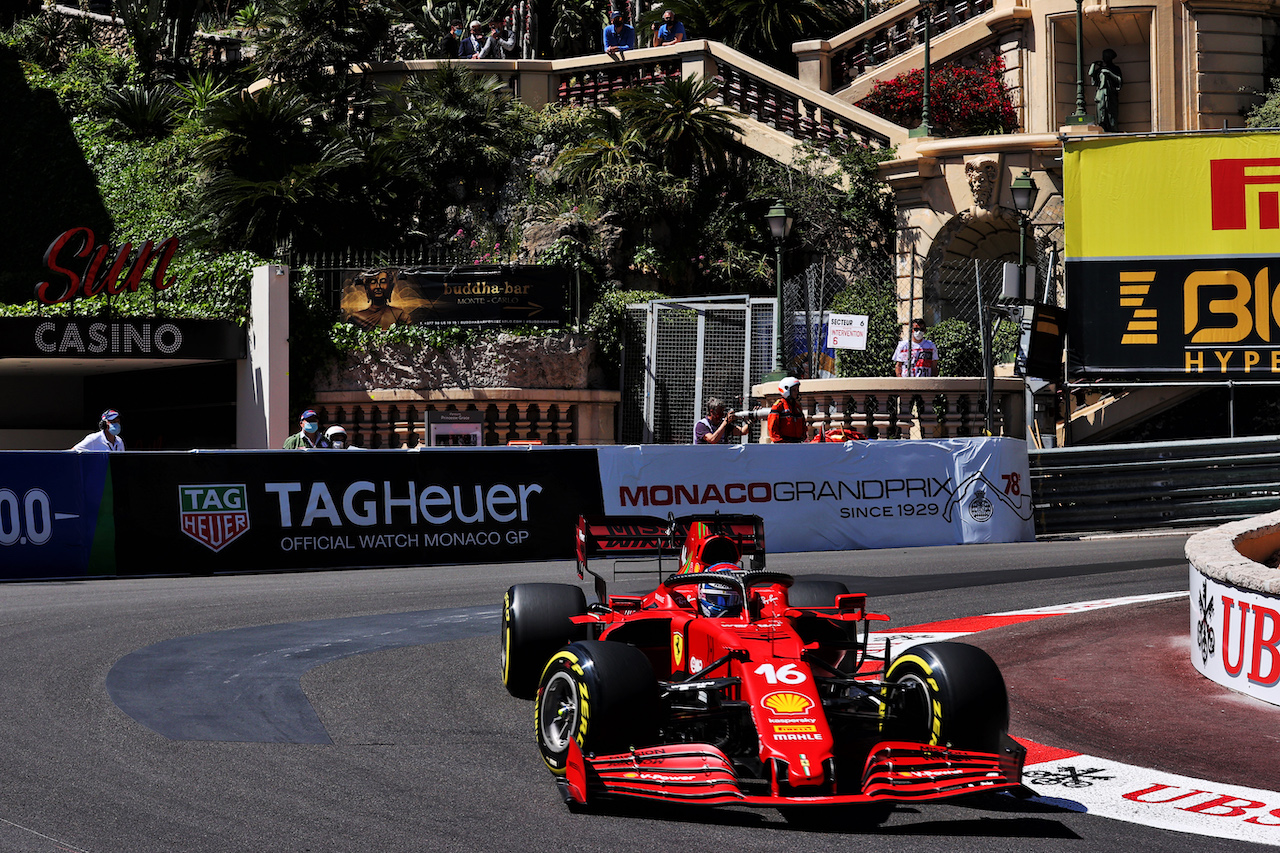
1135 287
1233 182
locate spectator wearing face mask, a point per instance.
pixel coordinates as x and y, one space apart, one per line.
107 438
917 355
309 437
337 436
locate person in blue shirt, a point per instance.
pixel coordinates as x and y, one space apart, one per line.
618 36
671 31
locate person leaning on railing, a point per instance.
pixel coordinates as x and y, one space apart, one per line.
619 36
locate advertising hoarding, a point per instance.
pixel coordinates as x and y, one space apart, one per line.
1172 258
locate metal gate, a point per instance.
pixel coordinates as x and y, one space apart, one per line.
680 352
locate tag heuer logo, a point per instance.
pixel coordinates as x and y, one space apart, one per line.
214 516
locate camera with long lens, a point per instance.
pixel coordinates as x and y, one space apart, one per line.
750 415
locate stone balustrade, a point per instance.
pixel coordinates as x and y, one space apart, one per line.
908 408
397 418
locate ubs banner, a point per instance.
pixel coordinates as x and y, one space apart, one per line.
824 497
1173 256
230 511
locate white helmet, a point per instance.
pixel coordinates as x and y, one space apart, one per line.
789 387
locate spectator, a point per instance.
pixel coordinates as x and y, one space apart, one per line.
107 438
500 44
337 437
671 31
449 45
308 437
917 355
717 424
787 424
618 36
474 42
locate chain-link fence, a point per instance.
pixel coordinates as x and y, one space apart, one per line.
680 352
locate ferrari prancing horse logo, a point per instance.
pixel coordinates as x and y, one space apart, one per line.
677 648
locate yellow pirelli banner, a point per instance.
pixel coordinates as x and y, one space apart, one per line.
1173 255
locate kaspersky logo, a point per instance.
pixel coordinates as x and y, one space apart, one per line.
1231 185
214 516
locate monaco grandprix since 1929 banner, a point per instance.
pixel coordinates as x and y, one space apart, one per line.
242 511
1172 259
816 497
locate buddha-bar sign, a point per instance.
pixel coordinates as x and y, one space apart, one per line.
80 268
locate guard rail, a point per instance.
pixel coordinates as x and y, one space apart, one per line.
1160 484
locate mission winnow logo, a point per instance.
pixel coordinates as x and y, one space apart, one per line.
216 515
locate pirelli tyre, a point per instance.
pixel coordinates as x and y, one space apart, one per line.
602 695
951 694
535 623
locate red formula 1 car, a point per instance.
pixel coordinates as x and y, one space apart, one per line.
729 684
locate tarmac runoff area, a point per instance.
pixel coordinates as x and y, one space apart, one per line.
1081 685
1188 752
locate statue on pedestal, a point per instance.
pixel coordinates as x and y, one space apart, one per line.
1106 77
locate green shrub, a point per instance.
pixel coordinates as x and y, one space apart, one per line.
878 300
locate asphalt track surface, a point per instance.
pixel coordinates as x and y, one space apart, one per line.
362 711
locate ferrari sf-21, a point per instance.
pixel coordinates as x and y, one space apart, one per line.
730 684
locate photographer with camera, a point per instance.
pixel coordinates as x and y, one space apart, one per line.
713 428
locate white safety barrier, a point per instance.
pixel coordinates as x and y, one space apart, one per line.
824 497
1235 606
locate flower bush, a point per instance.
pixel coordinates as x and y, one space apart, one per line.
963 100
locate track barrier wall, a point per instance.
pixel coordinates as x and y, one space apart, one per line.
1235 605
70 515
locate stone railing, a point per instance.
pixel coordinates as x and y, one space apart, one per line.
908 408
893 42
776 106
397 419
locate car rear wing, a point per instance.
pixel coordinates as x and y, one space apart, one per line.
650 537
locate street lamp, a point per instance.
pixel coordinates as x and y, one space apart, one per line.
1080 116
779 219
925 128
1024 192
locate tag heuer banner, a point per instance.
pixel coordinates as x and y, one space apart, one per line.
1173 256
68 514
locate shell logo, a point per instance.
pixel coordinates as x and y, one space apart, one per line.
787 702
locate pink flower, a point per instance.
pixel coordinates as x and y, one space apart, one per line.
475 243
459 234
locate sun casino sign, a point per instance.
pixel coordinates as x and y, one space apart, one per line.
82 269
1173 256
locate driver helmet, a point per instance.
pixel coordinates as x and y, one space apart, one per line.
789 387
716 599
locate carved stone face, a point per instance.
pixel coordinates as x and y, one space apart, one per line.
982 181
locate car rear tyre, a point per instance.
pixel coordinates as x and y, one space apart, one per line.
602 695
535 622
954 696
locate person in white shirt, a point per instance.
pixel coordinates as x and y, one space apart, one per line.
917 355
107 438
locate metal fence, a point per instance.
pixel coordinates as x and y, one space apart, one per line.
966 288
680 352
1143 486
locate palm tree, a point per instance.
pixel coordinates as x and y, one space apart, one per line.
677 121
459 122
313 44
610 144
271 174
